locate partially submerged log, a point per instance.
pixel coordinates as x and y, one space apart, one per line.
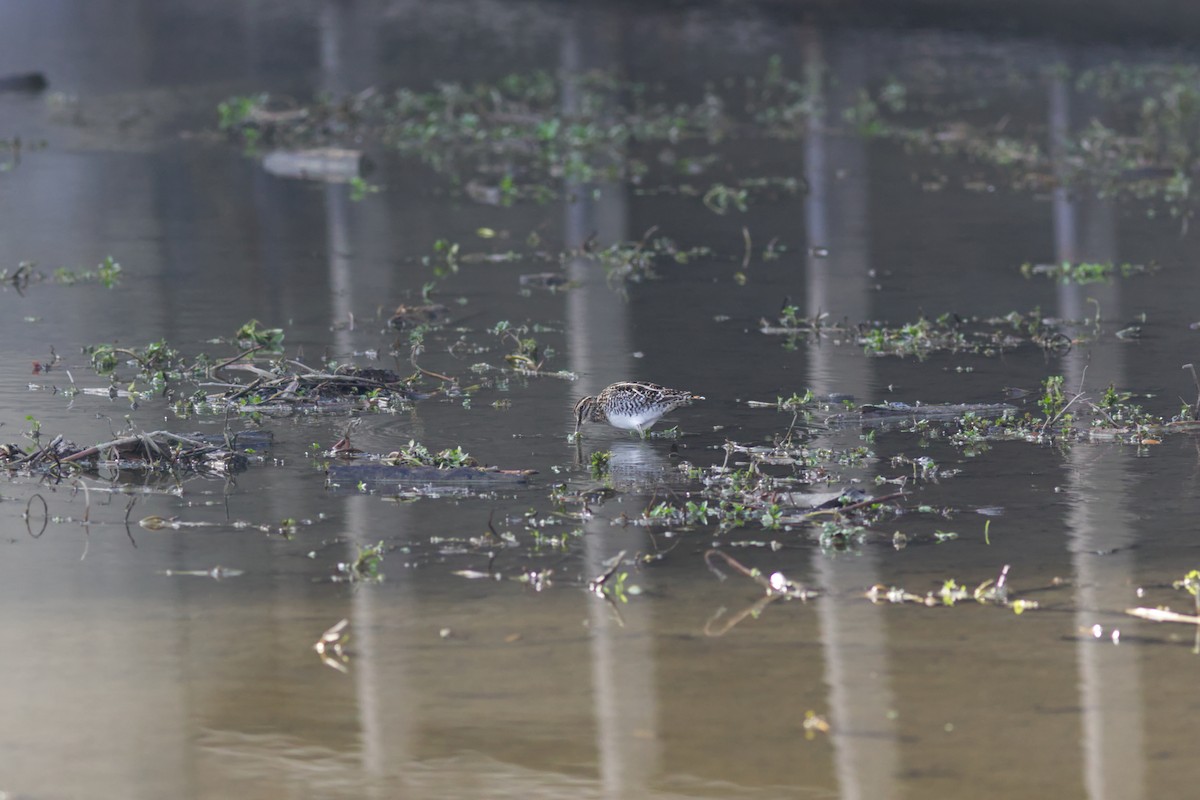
158 450
332 164
238 440
375 474
869 414
413 316
544 280
23 82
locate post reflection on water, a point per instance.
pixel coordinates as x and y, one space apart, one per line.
836 210
464 677
622 670
1101 536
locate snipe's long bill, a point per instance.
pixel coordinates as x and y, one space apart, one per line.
631 406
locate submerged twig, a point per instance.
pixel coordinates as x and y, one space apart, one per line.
236 358
45 515
596 585
331 646
1162 615
853 506
749 611
1196 381
143 438
1062 411
777 585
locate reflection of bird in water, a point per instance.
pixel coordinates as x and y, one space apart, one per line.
631 405
637 467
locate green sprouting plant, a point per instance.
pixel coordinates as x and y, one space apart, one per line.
235 111
620 591
797 401
774 250
1111 399
697 513
154 357
661 511
721 198
527 353
416 454
840 535
157 355
252 334
865 117
666 433
104 358
454 457
951 592
107 273
509 192
360 188
1052 401
1190 583
599 463
444 259
365 566
1085 271
35 427
917 338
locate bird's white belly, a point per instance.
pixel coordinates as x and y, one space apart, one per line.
633 422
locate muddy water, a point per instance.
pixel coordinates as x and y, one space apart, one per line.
124 681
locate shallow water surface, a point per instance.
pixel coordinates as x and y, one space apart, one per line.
480 664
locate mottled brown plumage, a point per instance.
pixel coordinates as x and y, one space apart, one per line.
631 405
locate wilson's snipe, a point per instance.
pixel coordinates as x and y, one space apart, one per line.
631 405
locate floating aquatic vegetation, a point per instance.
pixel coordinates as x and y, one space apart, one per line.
154 357
107 273
636 260
416 454
951 593
923 337
424 473
989 337
252 334
527 356
365 566
1086 272
743 491
947 333
519 138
